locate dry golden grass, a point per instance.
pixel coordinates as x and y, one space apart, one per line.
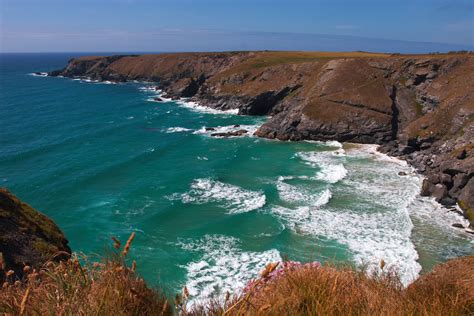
71 288
331 291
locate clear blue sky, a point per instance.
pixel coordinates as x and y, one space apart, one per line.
177 25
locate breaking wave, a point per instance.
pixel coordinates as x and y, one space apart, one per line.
233 198
39 74
177 129
298 194
223 267
226 129
194 106
375 223
332 170
184 102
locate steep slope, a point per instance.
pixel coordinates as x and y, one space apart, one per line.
419 107
27 237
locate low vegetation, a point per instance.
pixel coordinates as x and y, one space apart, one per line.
266 59
74 288
112 287
328 290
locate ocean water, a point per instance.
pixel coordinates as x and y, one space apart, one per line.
105 160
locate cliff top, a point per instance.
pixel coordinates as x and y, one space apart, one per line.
27 237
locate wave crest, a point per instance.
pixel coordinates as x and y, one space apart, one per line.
233 198
223 267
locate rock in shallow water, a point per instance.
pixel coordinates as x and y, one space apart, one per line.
240 132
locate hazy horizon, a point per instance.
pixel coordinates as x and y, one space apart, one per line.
211 25
258 41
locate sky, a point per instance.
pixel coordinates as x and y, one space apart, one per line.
217 25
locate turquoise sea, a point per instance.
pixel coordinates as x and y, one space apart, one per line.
105 160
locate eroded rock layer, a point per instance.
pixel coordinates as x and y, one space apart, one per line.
419 107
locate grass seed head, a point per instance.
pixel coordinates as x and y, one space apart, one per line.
269 269
128 244
117 243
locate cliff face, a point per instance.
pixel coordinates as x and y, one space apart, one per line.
27 237
419 107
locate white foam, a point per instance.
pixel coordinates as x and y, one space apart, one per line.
377 224
370 236
331 170
150 89
372 150
330 143
292 216
39 74
222 267
333 143
384 230
233 198
298 194
88 80
430 211
157 101
185 103
194 106
177 129
226 129
331 173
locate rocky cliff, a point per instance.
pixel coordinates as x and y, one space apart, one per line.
27 237
419 107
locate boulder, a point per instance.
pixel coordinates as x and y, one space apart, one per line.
460 180
447 201
466 201
426 188
28 237
447 180
439 192
434 178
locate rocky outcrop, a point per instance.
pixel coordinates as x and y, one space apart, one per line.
27 237
438 138
420 107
